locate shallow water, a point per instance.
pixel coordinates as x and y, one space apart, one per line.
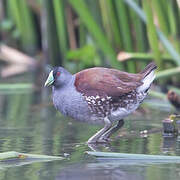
30 126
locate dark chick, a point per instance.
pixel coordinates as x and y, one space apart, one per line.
99 95
174 98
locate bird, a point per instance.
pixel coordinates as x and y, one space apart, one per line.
99 95
174 99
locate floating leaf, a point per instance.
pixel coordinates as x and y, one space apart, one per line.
10 155
127 156
13 159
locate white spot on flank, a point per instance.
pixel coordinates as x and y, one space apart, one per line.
101 107
97 97
93 97
87 98
108 97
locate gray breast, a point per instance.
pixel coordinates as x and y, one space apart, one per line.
71 103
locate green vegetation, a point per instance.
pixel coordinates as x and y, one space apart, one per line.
80 34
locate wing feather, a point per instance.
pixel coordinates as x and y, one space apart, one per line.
104 81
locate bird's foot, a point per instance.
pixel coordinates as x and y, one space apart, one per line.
104 140
100 140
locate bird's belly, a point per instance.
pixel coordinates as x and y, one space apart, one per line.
122 112
130 107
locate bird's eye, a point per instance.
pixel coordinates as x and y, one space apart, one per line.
58 73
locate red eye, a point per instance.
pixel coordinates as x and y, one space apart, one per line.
58 73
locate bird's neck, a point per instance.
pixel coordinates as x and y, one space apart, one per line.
66 84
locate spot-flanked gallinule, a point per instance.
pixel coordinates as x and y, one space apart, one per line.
99 95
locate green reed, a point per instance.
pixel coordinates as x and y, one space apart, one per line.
58 28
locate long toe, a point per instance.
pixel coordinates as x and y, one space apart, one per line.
91 141
104 140
106 136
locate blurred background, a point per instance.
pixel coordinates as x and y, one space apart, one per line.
123 34
36 35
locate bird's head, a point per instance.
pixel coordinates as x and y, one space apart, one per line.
58 77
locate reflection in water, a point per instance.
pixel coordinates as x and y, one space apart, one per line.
118 171
88 172
39 129
169 143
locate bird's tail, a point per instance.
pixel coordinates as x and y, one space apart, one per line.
148 77
148 69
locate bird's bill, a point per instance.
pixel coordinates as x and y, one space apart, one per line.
50 79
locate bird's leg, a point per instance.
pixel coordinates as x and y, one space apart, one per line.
95 138
99 146
112 130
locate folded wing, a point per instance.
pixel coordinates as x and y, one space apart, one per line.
104 81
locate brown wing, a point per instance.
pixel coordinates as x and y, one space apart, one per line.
104 81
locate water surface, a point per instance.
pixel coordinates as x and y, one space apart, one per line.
31 126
